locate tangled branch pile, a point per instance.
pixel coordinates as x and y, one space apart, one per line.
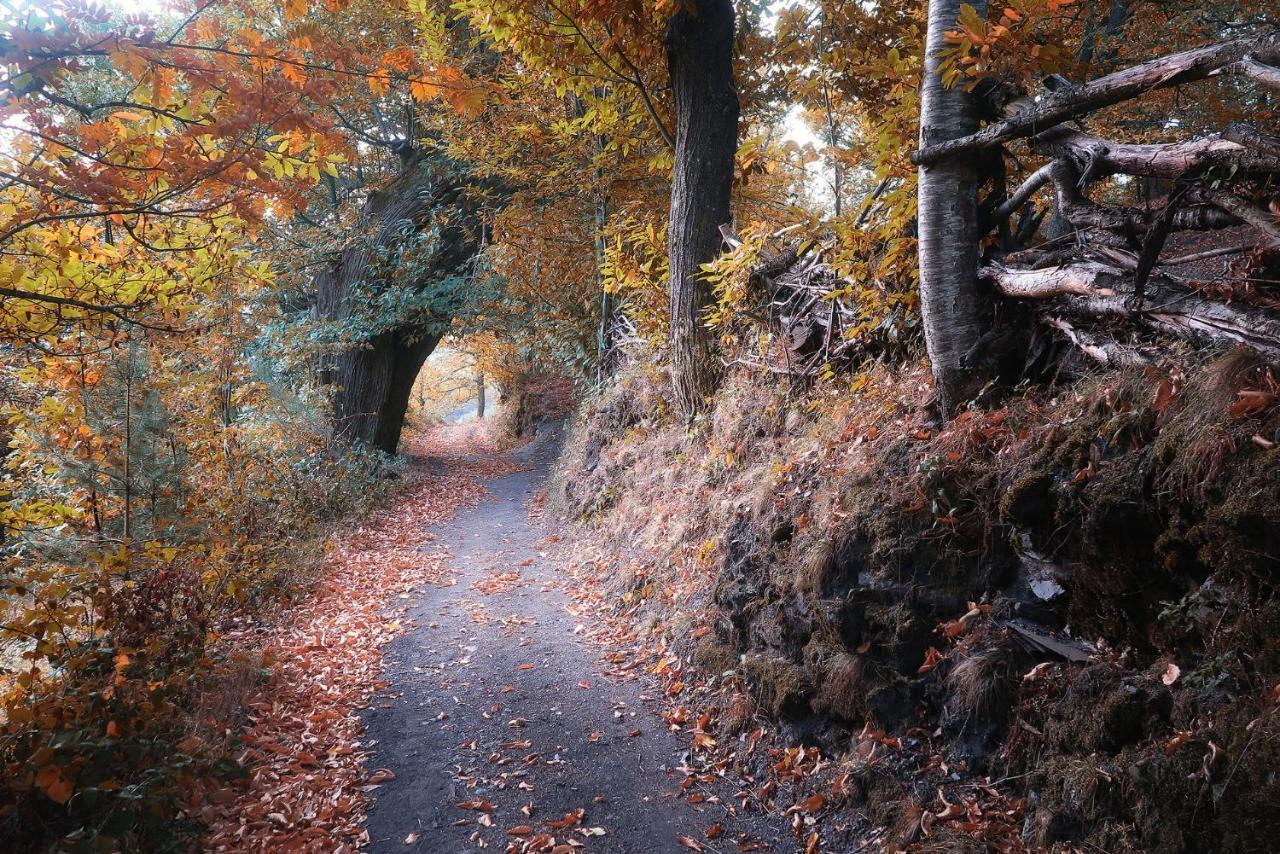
1196 256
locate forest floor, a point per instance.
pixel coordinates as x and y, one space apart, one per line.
499 722
439 690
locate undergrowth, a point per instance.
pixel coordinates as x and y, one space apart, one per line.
120 694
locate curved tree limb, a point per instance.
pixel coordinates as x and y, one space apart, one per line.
1023 194
1155 160
1053 109
1249 136
1260 72
1242 210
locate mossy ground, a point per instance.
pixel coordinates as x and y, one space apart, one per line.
826 539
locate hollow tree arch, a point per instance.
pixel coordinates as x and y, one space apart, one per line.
374 377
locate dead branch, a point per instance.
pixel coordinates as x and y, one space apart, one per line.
1099 157
1095 291
1259 72
1104 350
1249 136
1242 210
1115 88
1081 212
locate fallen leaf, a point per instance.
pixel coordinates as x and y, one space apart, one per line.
813 803
1180 738
571 819
931 659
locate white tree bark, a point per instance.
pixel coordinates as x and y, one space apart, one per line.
956 310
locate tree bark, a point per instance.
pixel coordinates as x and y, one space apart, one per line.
605 327
374 378
699 47
956 311
480 381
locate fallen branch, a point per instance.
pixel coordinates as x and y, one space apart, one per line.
1079 279
1242 210
1078 210
1101 350
1249 136
1023 194
1156 160
1093 290
1058 107
1259 72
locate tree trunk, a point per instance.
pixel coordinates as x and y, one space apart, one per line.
480 394
374 383
956 310
374 378
699 46
604 330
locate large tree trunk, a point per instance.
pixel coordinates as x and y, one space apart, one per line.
374 378
373 385
956 310
699 47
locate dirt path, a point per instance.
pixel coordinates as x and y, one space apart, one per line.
495 704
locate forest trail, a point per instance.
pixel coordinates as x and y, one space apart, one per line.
497 723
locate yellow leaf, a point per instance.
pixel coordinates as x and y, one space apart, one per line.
128 62
424 91
380 82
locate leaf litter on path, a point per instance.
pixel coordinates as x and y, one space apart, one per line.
307 787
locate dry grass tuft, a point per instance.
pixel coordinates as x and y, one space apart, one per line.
981 683
815 568
841 692
740 716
